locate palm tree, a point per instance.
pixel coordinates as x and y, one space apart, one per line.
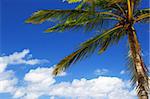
93 15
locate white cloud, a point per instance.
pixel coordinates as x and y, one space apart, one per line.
18 93
40 81
122 72
18 58
101 71
41 76
100 88
8 82
149 68
2 67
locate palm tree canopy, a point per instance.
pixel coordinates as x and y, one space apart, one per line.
92 15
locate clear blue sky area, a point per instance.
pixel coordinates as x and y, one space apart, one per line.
16 35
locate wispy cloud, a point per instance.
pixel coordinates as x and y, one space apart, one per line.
122 72
101 71
149 68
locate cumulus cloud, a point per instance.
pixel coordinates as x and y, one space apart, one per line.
97 88
3 66
18 58
40 81
8 80
41 76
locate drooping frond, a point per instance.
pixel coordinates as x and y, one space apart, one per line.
107 38
142 15
89 47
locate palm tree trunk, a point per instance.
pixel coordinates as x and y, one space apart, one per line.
139 67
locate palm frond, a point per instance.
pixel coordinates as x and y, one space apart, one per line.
107 38
109 3
99 5
51 15
88 22
121 10
73 1
143 11
86 49
72 19
142 15
145 18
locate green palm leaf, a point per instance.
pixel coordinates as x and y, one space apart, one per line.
73 1
51 15
88 48
142 16
88 23
72 19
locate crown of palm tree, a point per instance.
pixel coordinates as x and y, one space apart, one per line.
92 15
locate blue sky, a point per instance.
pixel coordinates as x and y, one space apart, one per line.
16 36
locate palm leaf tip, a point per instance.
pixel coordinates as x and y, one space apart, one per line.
31 18
61 66
56 71
49 30
28 20
39 17
73 1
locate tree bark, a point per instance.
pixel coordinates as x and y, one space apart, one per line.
139 67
